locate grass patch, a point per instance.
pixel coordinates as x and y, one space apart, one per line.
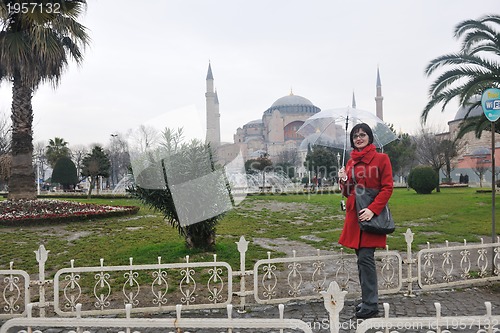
454 214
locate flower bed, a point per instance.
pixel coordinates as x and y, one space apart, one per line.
50 211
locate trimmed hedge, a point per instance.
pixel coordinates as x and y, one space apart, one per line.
423 179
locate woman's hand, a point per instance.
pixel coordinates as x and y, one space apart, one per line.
342 175
365 214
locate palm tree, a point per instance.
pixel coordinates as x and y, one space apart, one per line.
56 149
35 45
468 73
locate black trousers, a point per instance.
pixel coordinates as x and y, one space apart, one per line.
368 277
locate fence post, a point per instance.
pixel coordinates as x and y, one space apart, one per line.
41 257
409 261
333 300
242 248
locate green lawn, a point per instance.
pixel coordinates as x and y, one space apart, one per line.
454 215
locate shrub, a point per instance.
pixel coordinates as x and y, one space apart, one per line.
65 173
181 184
423 179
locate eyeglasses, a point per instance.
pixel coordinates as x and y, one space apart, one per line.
360 135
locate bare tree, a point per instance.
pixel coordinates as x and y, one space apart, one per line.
5 164
5 134
78 152
5 156
288 161
480 166
119 158
451 149
144 138
435 150
40 158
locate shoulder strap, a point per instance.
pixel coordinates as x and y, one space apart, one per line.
353 176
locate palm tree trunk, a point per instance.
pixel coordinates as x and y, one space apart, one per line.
22 178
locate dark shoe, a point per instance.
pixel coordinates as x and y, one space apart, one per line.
366 313
358 307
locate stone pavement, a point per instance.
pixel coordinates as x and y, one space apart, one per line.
459 302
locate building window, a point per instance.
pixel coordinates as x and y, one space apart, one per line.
291 131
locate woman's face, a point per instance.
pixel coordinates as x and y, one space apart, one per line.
360 139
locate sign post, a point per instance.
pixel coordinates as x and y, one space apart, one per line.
490 101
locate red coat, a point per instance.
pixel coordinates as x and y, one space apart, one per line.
374 170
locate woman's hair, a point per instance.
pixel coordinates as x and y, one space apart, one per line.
365 128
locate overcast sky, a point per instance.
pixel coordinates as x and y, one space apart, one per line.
148 60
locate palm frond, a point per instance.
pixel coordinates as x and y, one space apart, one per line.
475 42
477 125
468 73
36 45
474 33
459 59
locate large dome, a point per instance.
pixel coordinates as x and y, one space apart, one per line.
481 151
462 111
292 100
293 104
254 123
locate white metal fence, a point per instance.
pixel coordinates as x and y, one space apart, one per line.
130 324
213 289
159 287
488 323
334 302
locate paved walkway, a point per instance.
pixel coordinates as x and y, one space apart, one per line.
460 302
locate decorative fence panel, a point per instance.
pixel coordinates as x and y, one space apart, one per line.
148 288
279 280
458 265
14 284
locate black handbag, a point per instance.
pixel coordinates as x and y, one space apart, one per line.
379 224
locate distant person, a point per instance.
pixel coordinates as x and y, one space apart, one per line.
371 170
466 179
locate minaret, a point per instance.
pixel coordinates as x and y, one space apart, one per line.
213 115
353 101
379 98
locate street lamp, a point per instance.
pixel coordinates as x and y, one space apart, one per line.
38 175
113 136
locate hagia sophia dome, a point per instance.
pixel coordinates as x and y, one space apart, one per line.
276 131
293 104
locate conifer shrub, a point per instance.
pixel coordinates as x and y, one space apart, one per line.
65 173
423 179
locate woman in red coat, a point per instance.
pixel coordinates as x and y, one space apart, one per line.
372 170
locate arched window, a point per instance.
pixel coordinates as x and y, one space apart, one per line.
291 130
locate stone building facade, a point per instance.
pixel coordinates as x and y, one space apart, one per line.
474 153
271 134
